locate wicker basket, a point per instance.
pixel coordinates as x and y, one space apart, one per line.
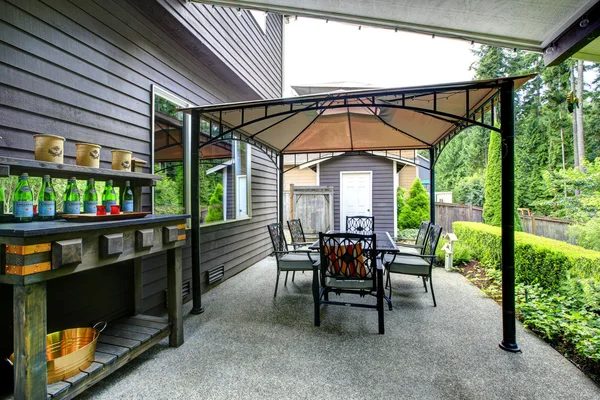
88 155
49 148
69 351
121 160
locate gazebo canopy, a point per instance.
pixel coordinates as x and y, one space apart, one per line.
420 117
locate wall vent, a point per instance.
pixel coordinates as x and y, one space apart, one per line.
216 274
186 291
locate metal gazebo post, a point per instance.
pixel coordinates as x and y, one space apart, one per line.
507 125
281 190
431 186
195 206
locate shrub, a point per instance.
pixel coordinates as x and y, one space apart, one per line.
586 234
215 205
538 260
401 201
416 208
492 205
567 316
470 190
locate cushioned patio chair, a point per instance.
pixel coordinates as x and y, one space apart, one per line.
417 245
288 260
359 223
348 266
400 262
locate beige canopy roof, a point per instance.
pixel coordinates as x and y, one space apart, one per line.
418 117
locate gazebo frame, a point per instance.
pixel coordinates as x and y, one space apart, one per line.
501 96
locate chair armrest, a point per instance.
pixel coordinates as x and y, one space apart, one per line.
401 238
399 253
415 246
301 243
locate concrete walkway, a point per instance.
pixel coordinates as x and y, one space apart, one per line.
248 345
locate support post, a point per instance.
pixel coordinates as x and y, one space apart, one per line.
196 214
431 187
29 318
281 189
507 124
174 282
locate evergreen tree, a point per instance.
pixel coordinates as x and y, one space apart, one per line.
400 201
416 208
492 206
215 205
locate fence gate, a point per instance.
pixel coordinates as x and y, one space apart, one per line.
312 205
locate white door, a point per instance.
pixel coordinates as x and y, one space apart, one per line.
242 196
355 196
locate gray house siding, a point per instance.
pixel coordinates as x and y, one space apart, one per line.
84 70
382 200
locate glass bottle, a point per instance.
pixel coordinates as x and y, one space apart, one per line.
90 198
127 199
23 200
47 200
72 202
109 197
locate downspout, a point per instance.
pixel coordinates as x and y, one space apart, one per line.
195 208
507 125
431 187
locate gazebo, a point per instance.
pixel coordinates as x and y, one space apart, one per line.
377 120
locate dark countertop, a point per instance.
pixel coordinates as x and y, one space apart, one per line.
40 228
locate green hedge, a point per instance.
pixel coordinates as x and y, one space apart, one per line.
538 260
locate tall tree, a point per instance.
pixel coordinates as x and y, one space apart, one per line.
492 206
579 112
574 119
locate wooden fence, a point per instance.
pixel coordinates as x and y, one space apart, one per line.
313 205
553 228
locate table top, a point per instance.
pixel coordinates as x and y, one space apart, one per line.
40 228
384 240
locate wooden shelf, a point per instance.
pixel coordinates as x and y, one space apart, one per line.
41 168
121 341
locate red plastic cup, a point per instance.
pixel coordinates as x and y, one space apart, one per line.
100 210
35 209
115 209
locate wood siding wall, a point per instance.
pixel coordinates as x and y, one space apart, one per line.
299 177
382 186
84 70
406 176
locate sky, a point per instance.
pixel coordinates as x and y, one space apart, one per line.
318 52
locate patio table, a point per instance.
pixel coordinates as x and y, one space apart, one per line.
384 241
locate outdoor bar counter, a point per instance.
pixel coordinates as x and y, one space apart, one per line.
36 252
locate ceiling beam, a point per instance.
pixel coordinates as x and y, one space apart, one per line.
574 38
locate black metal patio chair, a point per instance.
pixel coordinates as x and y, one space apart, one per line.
417 245
360 223
400 262
297 234
288 260
348 265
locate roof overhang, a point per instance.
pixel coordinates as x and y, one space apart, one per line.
534 25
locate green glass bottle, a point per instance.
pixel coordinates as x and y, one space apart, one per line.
47 200
127 199
90 198
109 197
1 200
72 202
23 200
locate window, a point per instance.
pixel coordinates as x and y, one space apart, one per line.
170 157
224 166
224 178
